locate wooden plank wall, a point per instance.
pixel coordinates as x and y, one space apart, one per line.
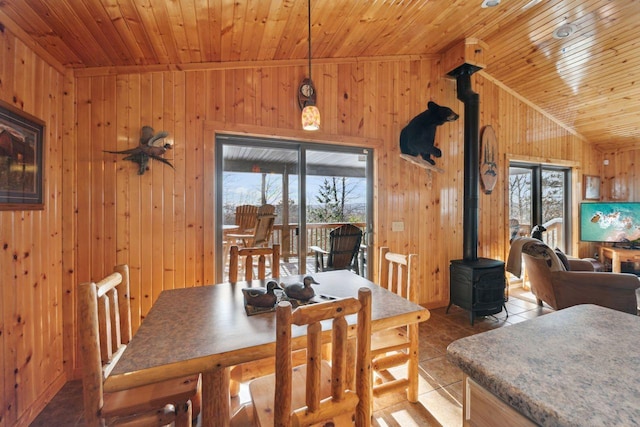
31 336
621 176
155 222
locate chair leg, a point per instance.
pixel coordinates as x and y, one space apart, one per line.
183 414
234 387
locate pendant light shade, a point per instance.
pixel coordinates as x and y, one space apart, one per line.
307 92
310 118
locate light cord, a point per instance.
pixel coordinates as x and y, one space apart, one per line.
309 19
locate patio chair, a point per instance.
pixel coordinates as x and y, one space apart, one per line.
344 245
318 392
246 218
104 333
260 236
397 346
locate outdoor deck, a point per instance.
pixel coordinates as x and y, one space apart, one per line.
317 235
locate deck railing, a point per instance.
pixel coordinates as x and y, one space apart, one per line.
553 236
317 235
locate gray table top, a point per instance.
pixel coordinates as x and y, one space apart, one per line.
575 367
193 330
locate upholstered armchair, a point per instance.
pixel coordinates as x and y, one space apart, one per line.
560 287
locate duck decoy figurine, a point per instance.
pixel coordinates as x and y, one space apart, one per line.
301 291
261 297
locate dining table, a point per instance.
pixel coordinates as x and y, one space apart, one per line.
207 330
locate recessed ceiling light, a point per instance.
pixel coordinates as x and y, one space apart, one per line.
490 3
530 4
564 31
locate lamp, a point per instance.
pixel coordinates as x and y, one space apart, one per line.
307 93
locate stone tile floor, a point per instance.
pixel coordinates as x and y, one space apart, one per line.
440 401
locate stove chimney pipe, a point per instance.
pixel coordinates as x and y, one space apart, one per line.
471 102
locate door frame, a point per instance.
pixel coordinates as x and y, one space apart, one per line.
212 264
572 196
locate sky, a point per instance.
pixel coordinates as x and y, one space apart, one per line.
241 188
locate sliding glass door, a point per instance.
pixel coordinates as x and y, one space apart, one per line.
336 193
540 195
334 187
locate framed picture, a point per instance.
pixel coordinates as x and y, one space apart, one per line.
21 159
591 187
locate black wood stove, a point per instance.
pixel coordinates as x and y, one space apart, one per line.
476 284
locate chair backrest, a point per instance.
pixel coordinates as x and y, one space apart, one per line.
539 275
266 209
246 217
250 255
105 311
398 273
344 244
263 230
540 261
343 397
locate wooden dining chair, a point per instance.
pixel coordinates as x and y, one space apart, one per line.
318 391
104 331
398 273
251 258
344 245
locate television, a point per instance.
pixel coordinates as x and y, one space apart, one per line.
611 222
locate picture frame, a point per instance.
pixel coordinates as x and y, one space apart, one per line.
591 185
21 159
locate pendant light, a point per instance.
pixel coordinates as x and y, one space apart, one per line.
307 92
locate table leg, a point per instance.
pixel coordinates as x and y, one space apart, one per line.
616 263
215 398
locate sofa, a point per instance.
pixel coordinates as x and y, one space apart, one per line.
564 284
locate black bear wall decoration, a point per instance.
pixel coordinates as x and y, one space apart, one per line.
417 138
151 147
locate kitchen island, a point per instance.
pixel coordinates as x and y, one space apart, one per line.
575 367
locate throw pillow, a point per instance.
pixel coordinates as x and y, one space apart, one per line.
563 258
540 250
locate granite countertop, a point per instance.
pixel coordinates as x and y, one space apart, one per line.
575 367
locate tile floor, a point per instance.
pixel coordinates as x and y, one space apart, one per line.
440 401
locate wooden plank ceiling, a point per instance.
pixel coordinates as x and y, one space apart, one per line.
587 81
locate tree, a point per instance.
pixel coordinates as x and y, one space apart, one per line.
520 197
552 195
333 199
271 189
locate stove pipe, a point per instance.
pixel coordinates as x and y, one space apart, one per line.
471 102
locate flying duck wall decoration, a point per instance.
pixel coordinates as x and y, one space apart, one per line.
151 146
